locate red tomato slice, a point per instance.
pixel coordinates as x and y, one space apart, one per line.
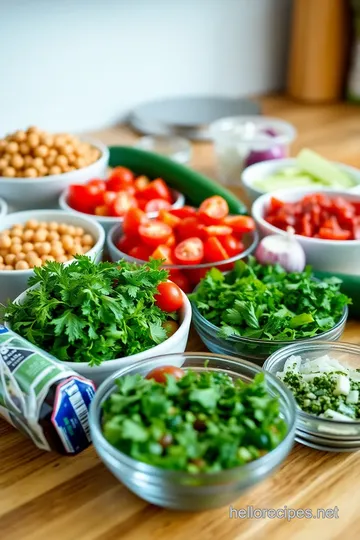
159 374
163 252
168 218
169 297
125 244
214 251
181 280
154 232
98 183
217 230
84 198
213 210
121 204
188 228
157 189
190 251
132 220
240 224
141 183
232 245
109 197
157 204
120 179
140 252
184 212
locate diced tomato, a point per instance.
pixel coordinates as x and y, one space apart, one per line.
160 373
163 252
132 220
181 280
121 204
154 232
98 183
332 234
141 203
218 230
232 245
109 197
157 204
140 252
214 251
307 228
171 241
157 189
275 204
190 251
102 210
120 179
125 243
188 228
141 183
213 210
169 218
240 224
184 212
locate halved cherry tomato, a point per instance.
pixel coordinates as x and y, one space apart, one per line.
181 280
140 252
141 183
160 374
154 232
109 197
184 212
157 189
102 210
132 220
171 241
157 204
121 204
214 251
98 183
163 252
120 179
168 218
217 230
84 198
231 244
190 251
240 224
141 202
213 210
169 297
188 228
170 327
125 244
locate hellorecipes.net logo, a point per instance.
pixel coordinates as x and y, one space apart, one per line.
251 512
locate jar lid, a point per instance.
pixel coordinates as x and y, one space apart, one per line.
188 117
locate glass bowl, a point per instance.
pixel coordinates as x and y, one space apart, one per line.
181 490
322 433
241 141
176 148
193 272
253 350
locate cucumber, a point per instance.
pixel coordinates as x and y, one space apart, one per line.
321 168
195 186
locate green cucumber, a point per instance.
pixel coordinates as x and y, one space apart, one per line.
350 286
321 168
195 186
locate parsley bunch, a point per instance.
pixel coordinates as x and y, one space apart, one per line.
87 312
265 302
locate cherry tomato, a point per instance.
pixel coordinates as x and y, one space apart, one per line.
170 327
125 244
98 183
189 227
157 189
141 202
169 297
102 210
231 244
181 280
189 251
109 197
140 252
240 224
154 232
157 204
168 218
141 183
132 220
84 198
171 241
217 230
213 210
163 252
120 179
160 374
214 251
121 204
184 212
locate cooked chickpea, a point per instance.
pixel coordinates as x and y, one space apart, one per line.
55 169
63 228
44 171
1 259
16 240
10 172
12 147
10 258
61 161
53 236
71 230
41 151
86 248
53 226
80 162
20 136
32 224
75 250
15 248
28 246
62 258
56 251
17 161
38 163
20 256
79 231
46 140
8 267
28 161
28 234
16 231
67 241
43 225
30 172
5 241
40 235
24 149
44 248
3 252
33 140
47 257
50 161
87 239
21 265
3 163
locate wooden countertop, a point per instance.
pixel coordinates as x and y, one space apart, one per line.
46 496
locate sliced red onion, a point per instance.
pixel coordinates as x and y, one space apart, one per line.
282 249
274 152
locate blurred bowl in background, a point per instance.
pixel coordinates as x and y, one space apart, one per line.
176 148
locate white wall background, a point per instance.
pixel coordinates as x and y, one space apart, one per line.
82 64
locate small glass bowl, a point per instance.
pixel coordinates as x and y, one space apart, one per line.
181 490
176 148
241 141
253 350
193 272
321 433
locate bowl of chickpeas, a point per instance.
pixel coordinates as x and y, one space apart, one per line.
36 166
3 208
29 239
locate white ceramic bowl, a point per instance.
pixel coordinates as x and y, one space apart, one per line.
3 208
43 192
108 222
338 256
174 344
265 169
13 282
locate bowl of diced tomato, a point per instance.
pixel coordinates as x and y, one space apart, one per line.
108 200
326 223
190 241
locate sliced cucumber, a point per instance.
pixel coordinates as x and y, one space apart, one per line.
323 169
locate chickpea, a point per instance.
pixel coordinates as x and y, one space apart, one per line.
20 256
5 241
16 240
55 169
53 236
17 161
36 261
80 162
3 145
16 231
10 258
47 257
44 248
30 172
44 171
28 161
32 129
3 253
63 228
86 248
38 163
50 161
53 226
62 258
53 152
41 151
21 265
43 225
8 267
67 241
70 258
56 251
28 234
12 147
71 230
40 235
76 250
46 140
32 224
9 172
62 161
15 248
3 163
1 259
24 148
2 266
79 231
27 246
71 159
19 136
33 140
